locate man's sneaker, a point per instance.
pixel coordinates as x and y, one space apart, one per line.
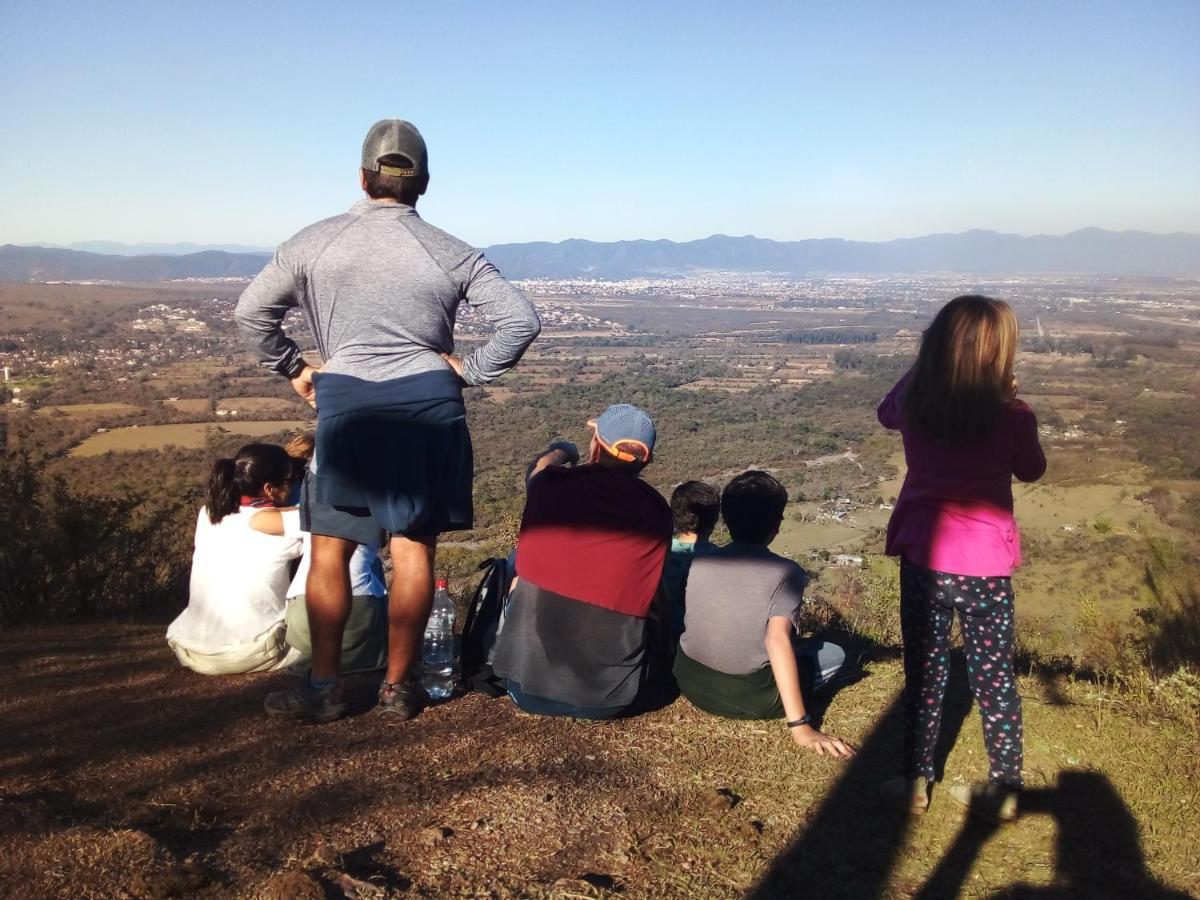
303 701
402 701
910 794
988 799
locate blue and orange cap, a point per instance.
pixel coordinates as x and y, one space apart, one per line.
623 430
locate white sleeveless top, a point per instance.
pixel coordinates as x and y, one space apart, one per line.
239 581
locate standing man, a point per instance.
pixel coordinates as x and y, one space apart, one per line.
379 289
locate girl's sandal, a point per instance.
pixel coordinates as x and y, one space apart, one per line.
907 794
988 800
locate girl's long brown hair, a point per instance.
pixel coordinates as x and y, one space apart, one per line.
963 376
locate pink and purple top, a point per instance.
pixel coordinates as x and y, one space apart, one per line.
955 511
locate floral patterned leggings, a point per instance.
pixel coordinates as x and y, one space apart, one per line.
928 601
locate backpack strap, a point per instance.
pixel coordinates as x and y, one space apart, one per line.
477 597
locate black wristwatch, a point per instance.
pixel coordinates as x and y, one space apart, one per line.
294 370
805 719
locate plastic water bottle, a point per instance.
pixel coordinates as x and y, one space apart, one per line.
437 661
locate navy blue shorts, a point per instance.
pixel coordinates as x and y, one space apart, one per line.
391 455
350 522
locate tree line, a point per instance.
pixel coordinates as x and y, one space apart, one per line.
829 336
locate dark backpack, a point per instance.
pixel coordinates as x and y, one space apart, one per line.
485 616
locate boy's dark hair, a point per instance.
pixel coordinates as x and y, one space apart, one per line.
405 189
695 506
752 505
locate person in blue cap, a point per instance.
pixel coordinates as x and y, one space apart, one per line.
587 609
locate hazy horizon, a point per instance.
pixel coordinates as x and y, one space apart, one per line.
136 248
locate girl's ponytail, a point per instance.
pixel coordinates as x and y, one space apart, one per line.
222 496
255 466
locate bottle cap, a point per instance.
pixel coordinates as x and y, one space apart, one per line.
441 584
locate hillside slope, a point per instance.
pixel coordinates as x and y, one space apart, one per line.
124 776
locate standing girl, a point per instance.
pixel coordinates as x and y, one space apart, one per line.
241 567
965 437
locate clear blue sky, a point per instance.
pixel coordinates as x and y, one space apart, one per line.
241 122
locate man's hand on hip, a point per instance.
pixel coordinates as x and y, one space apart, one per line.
302 384
454 362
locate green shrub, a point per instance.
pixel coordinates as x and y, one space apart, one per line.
1171 638
64 555
868 600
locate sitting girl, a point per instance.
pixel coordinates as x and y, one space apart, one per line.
241 567
965 436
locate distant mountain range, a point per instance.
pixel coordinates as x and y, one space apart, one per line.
176 249
1090 251
55 264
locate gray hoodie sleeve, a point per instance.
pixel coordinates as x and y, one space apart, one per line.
509 312
259 316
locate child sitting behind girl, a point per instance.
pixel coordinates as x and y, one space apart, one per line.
364 636
695 508
965 437
241 567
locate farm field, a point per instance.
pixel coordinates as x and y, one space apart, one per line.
798 539
257 405
188 436
191 406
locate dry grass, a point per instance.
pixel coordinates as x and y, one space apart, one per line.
191 790
1048 507
88 409
191 405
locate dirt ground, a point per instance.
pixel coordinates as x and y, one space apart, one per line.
122 775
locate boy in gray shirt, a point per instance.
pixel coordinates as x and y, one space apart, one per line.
737 656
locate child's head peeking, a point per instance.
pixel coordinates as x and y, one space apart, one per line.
695 508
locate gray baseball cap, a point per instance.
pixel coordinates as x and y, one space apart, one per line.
395 137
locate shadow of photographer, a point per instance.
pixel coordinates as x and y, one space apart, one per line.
850 846
1097 851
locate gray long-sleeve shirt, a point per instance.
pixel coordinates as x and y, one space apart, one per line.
379 288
